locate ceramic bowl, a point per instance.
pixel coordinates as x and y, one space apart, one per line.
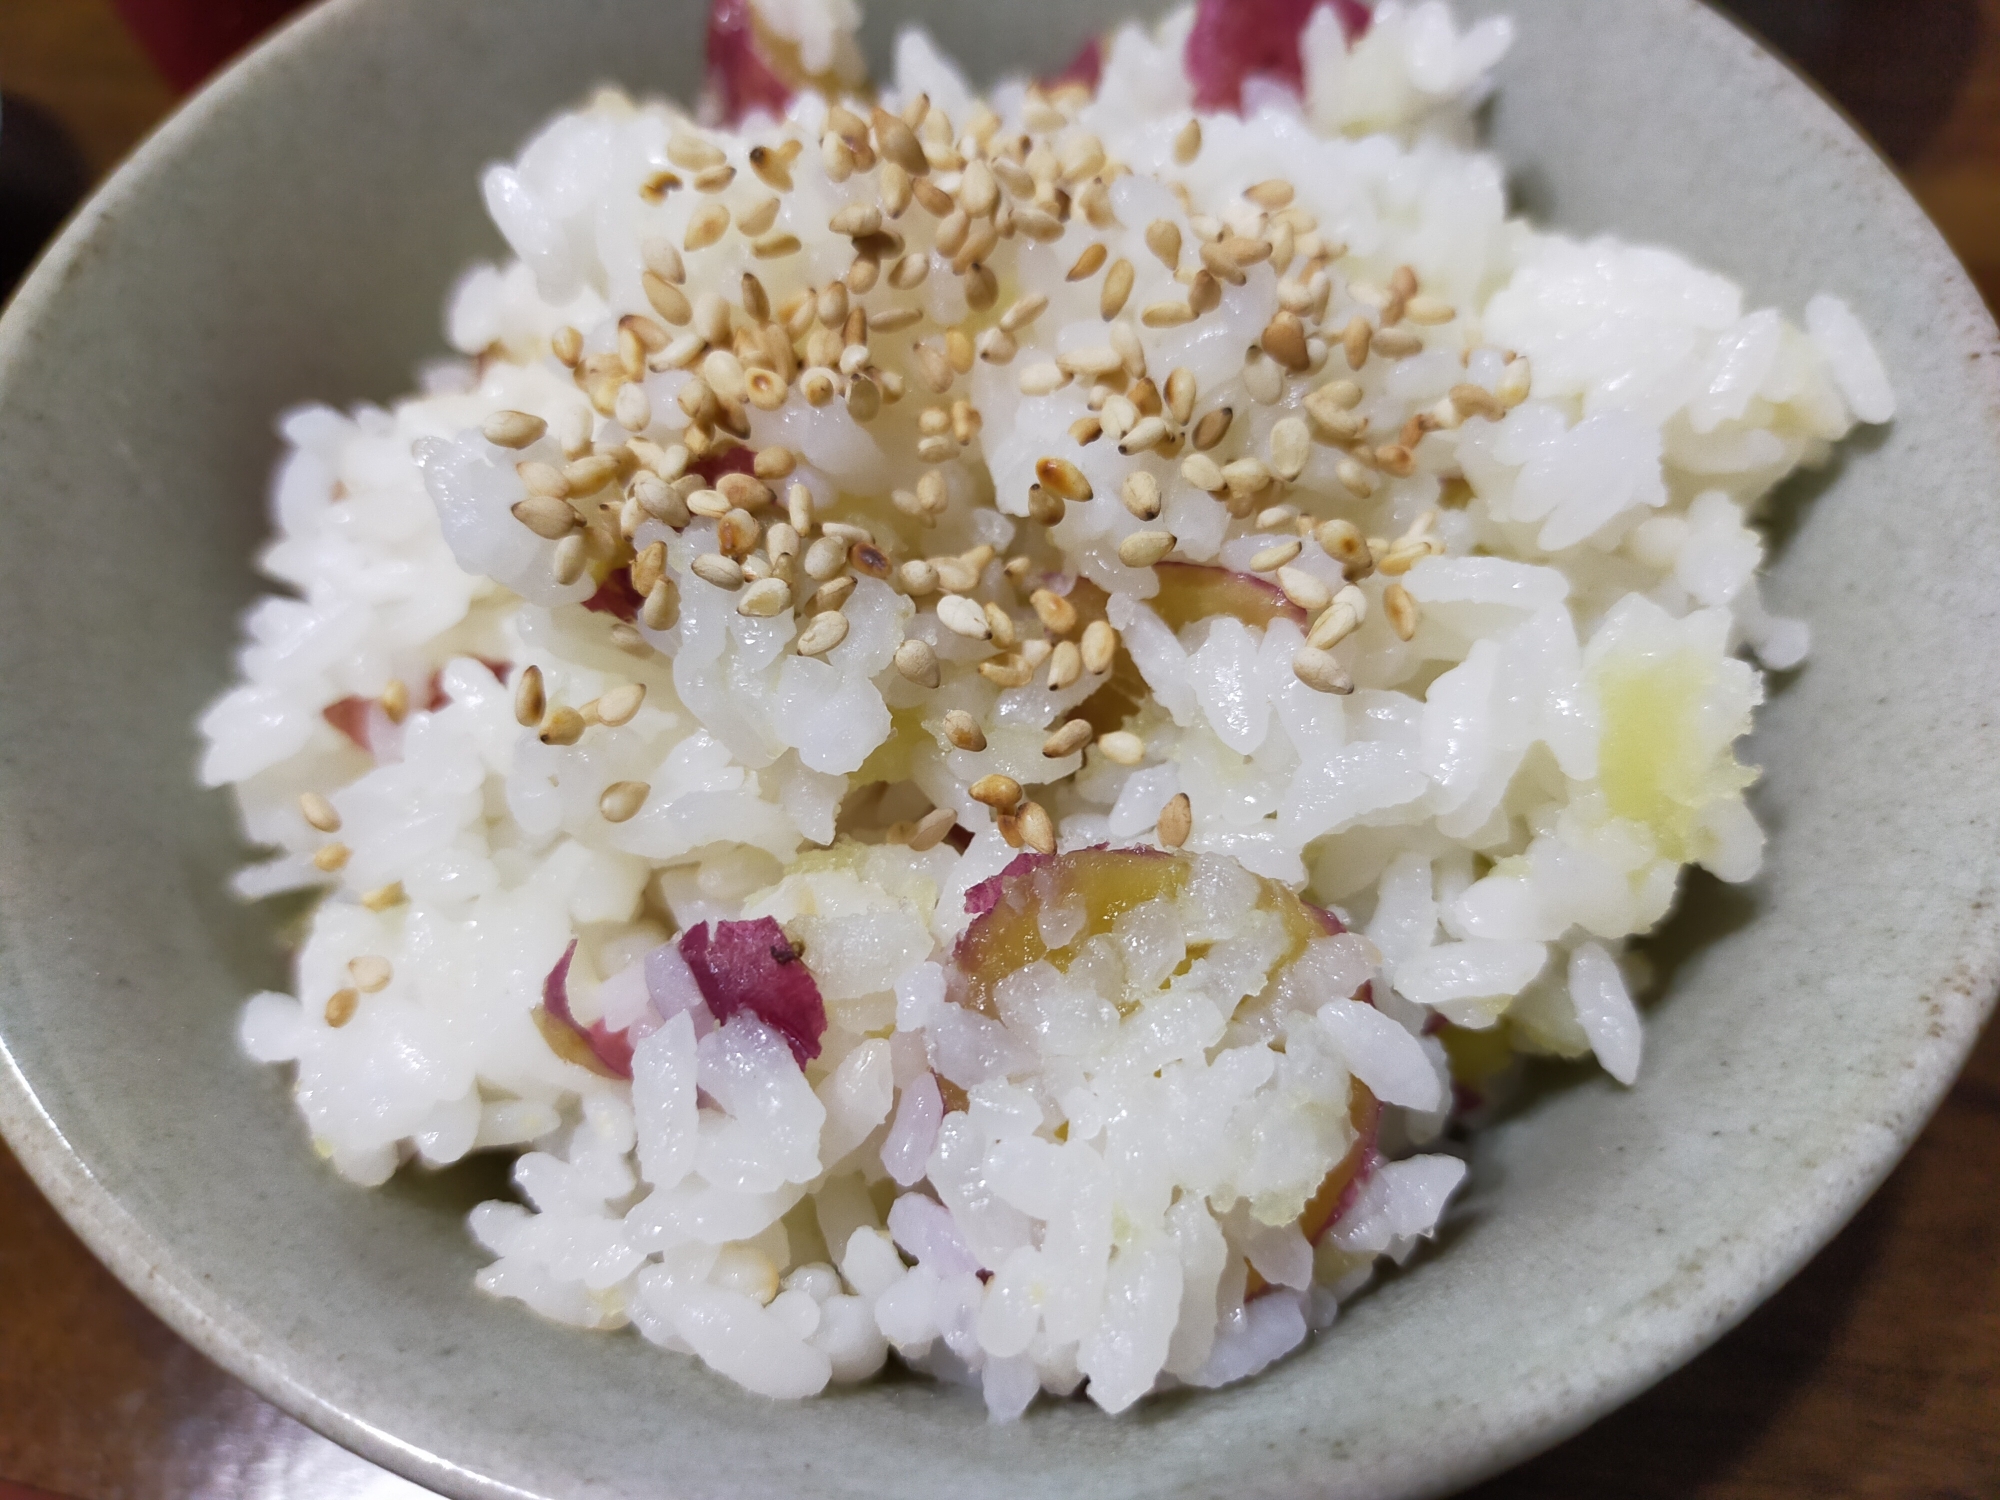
292 233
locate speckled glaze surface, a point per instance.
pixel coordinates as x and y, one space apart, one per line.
291 234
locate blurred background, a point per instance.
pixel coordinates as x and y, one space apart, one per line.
1874 1375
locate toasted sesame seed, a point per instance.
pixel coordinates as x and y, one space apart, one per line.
898 143
856 219
1273 193
572 556
1117 288
319 812
1036 827
1163 238
931 829
340 1007
909 271
588 475
1141 494
1284 339
1002 793
371 973
1180 394
869 559
1176 821
705 226
1057 614
738 534
1142 549
996 346
836 156
1147 432
826 557
1023 311
563 726
712 504
1400 610
978 193
549 518
662 606
1355 341
1100 359
1401 557
512 429
1340 619
963 616
1122 747
956 575
1201 471
1396 343
1187 142
1068 739
1263 376
384 896
1304 589
543 479
963 730
1476 401
1062 478
1005 635
935 200
567 345
775 245
1100 647
1291 447
771 168
917 662
831 595
823 632
757 221
1396 459
621 703
631 410
332 857
662 259
1219 263
627 638
723 572
686 149
1086 264
1343 542
1354 478
864 399
1276 556
713 179
1429 311
623 799
1514 382
1210 430
1065 665
1321 671
529 698
1167 313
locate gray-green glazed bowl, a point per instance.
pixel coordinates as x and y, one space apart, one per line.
291 234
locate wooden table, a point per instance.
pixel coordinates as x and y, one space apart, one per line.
1874 1375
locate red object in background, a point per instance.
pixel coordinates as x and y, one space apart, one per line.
1234 39
190 39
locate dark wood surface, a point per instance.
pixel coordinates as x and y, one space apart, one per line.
1874 1375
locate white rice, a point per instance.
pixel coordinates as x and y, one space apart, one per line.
1097 1179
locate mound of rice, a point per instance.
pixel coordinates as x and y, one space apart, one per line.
719 710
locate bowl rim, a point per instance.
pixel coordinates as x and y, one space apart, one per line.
1725 1292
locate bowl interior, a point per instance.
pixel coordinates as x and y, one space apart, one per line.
291 235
